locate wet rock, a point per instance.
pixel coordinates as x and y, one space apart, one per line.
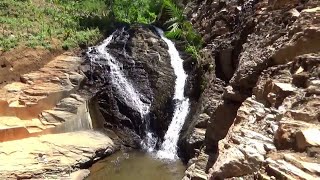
145 63
148 48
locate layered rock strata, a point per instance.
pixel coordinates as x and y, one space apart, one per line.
260 101
42 121
44 101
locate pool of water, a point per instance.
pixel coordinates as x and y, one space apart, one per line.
136 165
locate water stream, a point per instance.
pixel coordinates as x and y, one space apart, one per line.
137 164
103 58
168 148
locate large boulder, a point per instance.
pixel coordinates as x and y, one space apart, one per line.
53 156
145 63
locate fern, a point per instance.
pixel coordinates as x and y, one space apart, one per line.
177 34
180 28
174 11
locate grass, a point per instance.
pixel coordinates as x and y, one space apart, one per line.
72 23
49 23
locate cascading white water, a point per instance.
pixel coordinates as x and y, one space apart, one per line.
168 148
133 98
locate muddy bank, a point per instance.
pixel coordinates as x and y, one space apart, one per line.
22 60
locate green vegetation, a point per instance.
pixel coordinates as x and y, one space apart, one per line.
180 28
47 23
67 23
73 23
137 11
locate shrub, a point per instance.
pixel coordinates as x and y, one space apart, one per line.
137 11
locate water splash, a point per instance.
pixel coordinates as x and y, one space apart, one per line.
100 56
168 148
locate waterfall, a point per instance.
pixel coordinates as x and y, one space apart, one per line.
102 57
168 148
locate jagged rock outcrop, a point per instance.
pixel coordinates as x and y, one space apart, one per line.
274 129
146 65
265 117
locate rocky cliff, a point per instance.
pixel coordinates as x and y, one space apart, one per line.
259 113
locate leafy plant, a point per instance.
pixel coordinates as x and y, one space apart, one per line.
180 28
8 42
176 21
193 50
138 11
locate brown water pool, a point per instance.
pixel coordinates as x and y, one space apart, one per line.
136 165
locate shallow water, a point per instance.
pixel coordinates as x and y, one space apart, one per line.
136 165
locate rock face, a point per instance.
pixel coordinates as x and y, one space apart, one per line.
49 156
48 101
146 65
44 101
261 96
